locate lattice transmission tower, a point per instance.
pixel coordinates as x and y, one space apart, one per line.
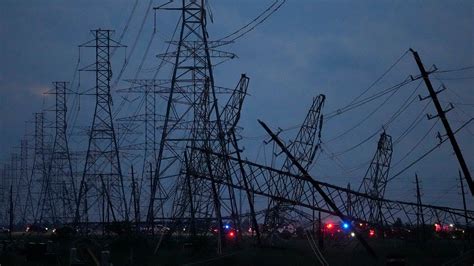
376 177
38 171
101 195
304 147
58 196
192 119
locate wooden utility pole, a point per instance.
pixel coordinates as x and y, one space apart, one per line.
442 115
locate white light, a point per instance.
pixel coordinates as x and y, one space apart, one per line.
451 225
353 234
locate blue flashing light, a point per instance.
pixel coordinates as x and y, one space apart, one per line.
345 225
227 226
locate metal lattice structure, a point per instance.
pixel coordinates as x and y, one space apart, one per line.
192 177
37 175
58 198
192 118
375 179
147 121
304 148
22 183
261 183
102 184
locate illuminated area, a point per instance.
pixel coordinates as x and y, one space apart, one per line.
372 233
345 225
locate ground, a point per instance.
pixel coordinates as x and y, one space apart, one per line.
139 250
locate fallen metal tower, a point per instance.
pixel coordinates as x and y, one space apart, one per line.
304 148
258 181
375 179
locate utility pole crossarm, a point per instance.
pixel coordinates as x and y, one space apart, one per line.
444 120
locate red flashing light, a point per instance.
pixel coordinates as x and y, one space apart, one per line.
371 232
329 226
231 234
438 228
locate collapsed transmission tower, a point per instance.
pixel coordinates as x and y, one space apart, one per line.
258 181
304 148
102 174
58 197
375 179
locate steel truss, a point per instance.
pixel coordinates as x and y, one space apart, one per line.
193 119
304 147
260 180
58 197
101 195
375 179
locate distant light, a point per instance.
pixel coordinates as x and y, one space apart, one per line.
345 225
360 224
451 225
353 234
46 228
437 227
371 232
329 226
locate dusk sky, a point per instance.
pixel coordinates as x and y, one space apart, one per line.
307 47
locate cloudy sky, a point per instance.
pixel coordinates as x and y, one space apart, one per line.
308 47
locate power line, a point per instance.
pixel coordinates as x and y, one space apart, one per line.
455 69
380 77
256 21
417 144
413 124
364 119
427 153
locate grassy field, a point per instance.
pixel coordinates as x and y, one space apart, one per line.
141 251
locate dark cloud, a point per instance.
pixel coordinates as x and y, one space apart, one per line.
308 47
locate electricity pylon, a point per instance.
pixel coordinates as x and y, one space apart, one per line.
58 197
102 174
